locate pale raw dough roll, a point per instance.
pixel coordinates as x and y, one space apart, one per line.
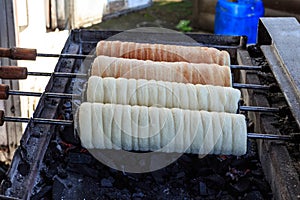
162 94
181 72
113 126
161 52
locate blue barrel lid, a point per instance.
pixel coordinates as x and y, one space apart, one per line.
242 7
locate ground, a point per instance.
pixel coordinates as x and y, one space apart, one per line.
162 13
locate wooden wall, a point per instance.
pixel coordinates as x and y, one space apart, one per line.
10 133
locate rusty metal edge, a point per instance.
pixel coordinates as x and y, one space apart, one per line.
279 39
274 157
285 82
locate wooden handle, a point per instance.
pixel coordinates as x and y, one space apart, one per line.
18 53
13 72
5 52
1 117
4 91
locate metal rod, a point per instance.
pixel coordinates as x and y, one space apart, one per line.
49 95
259 109
270 136
39 73
250 86
39 121
270 88
62 95
58 74
75 56
21 93
69 75
293 137
246 67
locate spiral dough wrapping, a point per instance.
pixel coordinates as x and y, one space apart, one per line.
163 52
139 128
181 72
162 94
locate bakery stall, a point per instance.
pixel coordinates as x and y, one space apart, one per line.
126 128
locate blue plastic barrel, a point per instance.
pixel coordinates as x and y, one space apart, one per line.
239 17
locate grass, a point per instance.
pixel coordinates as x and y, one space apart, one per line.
162 13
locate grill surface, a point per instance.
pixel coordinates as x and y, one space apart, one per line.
40 147
28 159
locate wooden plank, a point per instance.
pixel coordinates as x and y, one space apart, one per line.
53 15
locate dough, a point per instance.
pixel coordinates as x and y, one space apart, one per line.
197 132
182 72
160 52
162 94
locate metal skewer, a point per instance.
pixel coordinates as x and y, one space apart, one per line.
58 74
14 72
246 67
294 137
75 56
259 109
271 88
17 53
5 92
31 54
35 120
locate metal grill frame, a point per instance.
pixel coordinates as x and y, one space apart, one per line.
36 138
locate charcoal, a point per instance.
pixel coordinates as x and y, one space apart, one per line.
3 169
176 183
67 104
135 177
166 191
205 171
180 175
254 195
61 172
24 168
121 182
185 159
83 169
68 136
138 195
258 173
107 182
262 186
215 181
227 197
58 188
159 176
44 191
240 163
145 186
202 189
214 163
242 185
80 158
